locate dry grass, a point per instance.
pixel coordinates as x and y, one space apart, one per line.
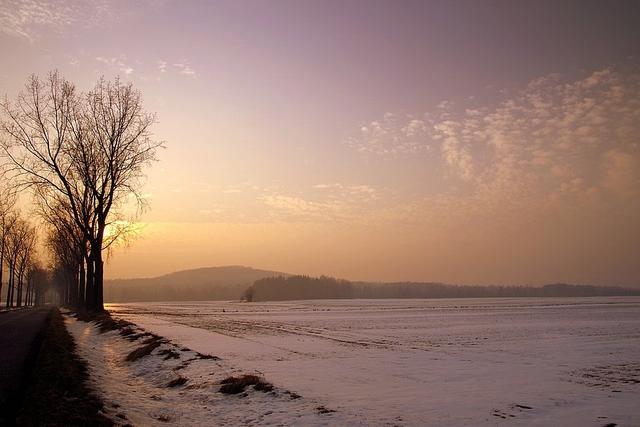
104 321
206 356
140 352
169 354
177 382
235 385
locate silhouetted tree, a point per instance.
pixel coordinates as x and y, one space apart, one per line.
7 218
20 247
69 248
84 152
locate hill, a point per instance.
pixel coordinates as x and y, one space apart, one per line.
211 283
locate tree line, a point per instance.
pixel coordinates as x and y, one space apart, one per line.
81 156
298 287
304 287
18 256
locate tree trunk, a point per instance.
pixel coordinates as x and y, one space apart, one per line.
36 295
94 300
99 277
30 287
27 296
75 284
19 299
2 248
1 266
10 288
90 288
65 291
81 286
98 281
31 291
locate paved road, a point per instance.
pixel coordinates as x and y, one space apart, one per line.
19 338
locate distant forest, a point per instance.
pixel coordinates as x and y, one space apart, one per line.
305 287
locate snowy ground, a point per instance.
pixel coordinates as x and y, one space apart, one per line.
138 393
573 362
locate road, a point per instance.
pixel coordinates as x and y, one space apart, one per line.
19 339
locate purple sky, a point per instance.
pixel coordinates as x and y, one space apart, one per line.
471 142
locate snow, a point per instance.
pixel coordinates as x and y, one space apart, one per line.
534 362
137 392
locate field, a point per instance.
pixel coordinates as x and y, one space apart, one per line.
426 362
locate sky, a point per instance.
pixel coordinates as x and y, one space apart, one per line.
471 142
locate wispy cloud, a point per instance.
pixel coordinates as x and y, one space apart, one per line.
120 62
346 189
328 203
393 134
123 64
185 68
553 140
30 19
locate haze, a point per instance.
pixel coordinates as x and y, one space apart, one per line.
460 142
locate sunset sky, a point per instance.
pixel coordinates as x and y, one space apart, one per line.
475 142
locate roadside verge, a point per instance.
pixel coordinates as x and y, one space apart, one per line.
57 393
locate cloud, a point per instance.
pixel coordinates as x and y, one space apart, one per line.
553 135
232 190
30 19
119 62
621 173
327 186
553 141
334 202
185 68
392 135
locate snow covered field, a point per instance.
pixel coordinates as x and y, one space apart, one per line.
570 361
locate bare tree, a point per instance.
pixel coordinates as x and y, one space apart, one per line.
64 255
84 151
19 248
24 261
37 283
7 218
70 251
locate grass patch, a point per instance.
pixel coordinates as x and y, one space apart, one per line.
292 395
169 354
206 356
137 336
177 382
235 385
104 321
145 350
126 331
57 394
152 338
